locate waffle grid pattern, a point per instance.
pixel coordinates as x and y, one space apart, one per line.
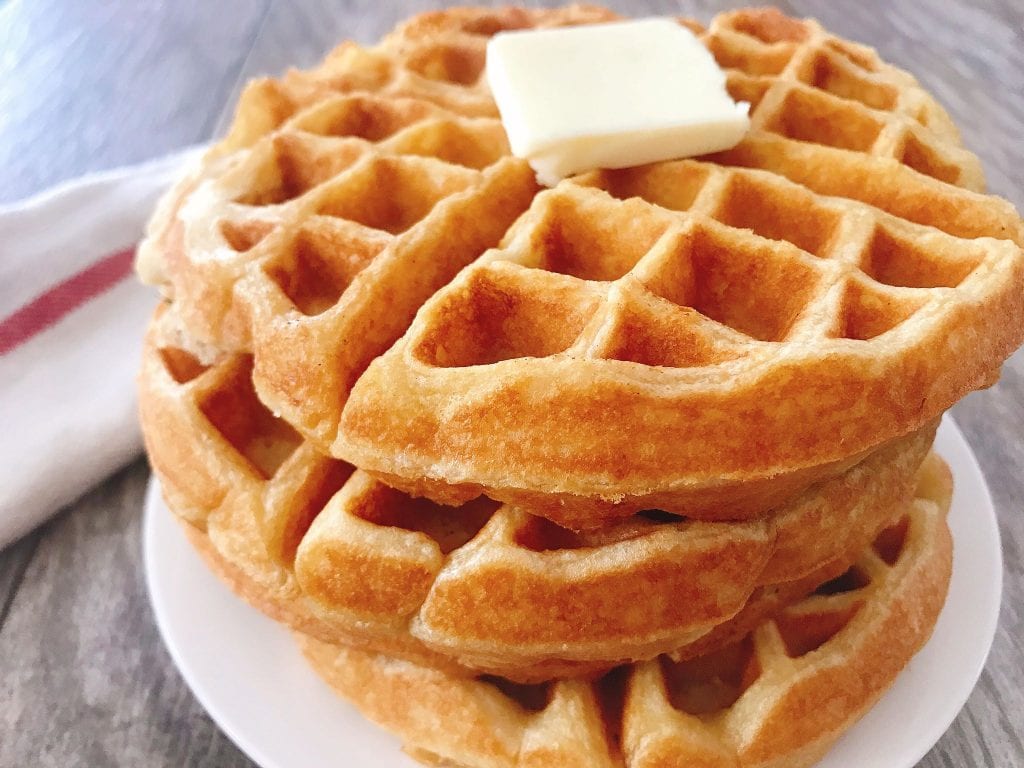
361 203
712 285
472 582
795 75
768 699
839 273
799 79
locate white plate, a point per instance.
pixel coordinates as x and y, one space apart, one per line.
248 674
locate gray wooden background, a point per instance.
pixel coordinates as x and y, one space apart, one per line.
91 84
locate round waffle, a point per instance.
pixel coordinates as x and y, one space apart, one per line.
779 697
485 585
834 282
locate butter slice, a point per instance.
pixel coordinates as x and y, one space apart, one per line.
610 96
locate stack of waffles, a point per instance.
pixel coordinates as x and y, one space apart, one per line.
631 471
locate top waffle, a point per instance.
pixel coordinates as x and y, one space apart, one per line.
760 319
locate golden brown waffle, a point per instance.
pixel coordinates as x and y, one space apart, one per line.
348 219
743 367
351 164
778 698
489 586
802 83
434 57
867 298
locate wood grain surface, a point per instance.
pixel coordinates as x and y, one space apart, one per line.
85 85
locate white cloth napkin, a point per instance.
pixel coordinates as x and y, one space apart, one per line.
72 316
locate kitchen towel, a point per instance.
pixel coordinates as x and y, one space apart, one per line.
72 315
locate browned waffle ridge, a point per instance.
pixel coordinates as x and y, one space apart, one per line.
779 697
487 586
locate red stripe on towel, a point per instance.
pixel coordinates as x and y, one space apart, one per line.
63 298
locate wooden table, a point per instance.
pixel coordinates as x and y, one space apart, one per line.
84 678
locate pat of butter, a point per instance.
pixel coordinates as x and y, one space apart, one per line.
610 96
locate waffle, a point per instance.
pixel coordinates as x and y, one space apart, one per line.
345 197
781 696
487 585
682 326
350 156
